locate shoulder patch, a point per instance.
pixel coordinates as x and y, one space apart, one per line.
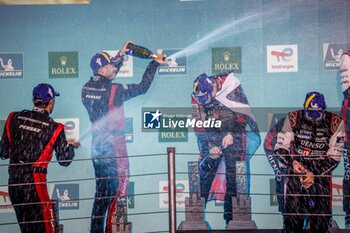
335 121
293 118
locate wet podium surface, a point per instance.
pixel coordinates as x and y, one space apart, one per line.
239 231
254 231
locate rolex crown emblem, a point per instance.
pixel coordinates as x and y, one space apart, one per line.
63 60
226 56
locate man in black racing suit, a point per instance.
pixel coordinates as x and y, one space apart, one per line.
104 101
28 140
310 145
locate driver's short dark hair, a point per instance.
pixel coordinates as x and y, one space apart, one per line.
41 104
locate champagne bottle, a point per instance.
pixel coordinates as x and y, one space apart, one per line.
139 51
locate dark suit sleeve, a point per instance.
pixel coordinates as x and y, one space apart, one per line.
128 91
5 141
284 144
64 151
4 146
269 145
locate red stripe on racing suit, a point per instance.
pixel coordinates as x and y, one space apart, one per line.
121 156
46 206
46 156
8 130
40 182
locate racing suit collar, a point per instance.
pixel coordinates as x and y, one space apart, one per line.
315 117
41 110
100 78
346 93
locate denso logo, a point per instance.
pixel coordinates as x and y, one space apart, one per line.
313 145
285 55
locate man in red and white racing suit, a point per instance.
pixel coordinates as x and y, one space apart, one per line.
29 139
310 145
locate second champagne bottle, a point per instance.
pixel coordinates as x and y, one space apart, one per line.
140 51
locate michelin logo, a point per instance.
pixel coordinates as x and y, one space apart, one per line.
11 65
151 120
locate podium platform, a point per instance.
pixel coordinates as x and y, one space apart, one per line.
254 231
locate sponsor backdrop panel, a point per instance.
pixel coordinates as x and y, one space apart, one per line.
226 59
63 65
66 194
11 65
332 53
176 62
282 58
71 127
276 58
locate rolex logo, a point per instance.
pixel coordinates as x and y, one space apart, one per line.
63 60
63 64
226 59
226 56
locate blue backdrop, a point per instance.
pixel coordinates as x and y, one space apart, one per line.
311 28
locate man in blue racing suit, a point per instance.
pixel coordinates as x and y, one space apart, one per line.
104 101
